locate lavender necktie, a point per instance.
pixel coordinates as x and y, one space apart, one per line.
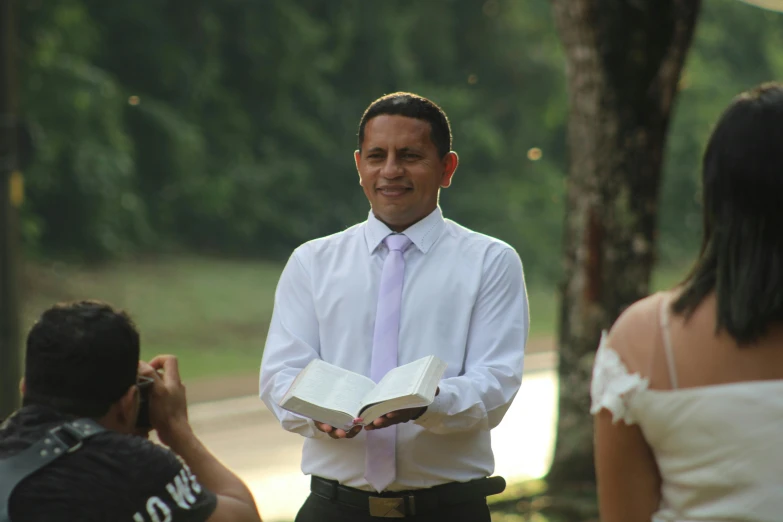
380 466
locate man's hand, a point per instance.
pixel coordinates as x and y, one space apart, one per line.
337 433
168 403
397 417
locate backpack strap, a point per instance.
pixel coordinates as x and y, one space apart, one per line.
58 441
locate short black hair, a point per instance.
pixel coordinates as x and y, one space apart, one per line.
741 257
81 357
411 106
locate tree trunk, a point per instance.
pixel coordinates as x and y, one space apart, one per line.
10 198
624 59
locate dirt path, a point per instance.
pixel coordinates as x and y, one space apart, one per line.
227 387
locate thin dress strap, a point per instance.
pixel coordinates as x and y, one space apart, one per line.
667 340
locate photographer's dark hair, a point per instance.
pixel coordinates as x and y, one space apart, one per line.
741 256
81 357
411 106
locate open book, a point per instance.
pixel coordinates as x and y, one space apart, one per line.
329 394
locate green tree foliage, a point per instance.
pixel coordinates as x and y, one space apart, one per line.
81 184
737 46
229 126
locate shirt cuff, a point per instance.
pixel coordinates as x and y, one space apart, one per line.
438 408
310 432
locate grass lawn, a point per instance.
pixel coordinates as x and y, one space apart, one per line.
212 313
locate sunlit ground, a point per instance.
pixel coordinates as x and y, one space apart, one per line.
524 441
523 445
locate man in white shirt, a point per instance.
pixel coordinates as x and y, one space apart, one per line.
440 289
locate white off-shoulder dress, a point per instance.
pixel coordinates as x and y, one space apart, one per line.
719 448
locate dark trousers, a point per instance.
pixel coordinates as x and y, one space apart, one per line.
319 509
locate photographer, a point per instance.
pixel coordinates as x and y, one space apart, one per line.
83 375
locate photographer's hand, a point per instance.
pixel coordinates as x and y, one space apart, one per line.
168 402
169 417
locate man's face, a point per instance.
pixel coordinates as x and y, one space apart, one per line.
400 169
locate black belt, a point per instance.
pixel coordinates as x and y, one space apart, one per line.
400 504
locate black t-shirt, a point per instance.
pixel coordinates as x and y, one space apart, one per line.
112 478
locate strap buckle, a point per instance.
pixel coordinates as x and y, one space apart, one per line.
68 437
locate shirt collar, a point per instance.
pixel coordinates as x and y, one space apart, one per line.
423 234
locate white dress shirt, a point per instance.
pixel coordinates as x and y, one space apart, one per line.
464 301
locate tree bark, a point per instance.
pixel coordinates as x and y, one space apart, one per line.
624 59
10 348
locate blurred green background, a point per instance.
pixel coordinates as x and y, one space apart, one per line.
181 150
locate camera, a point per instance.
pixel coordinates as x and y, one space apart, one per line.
145 386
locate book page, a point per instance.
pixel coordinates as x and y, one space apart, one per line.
417 380
311 411
330 387
373 411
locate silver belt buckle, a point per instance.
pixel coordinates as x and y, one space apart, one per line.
387 507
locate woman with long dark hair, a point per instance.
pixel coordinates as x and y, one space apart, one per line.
688 385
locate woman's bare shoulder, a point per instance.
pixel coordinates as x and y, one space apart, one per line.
637 332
